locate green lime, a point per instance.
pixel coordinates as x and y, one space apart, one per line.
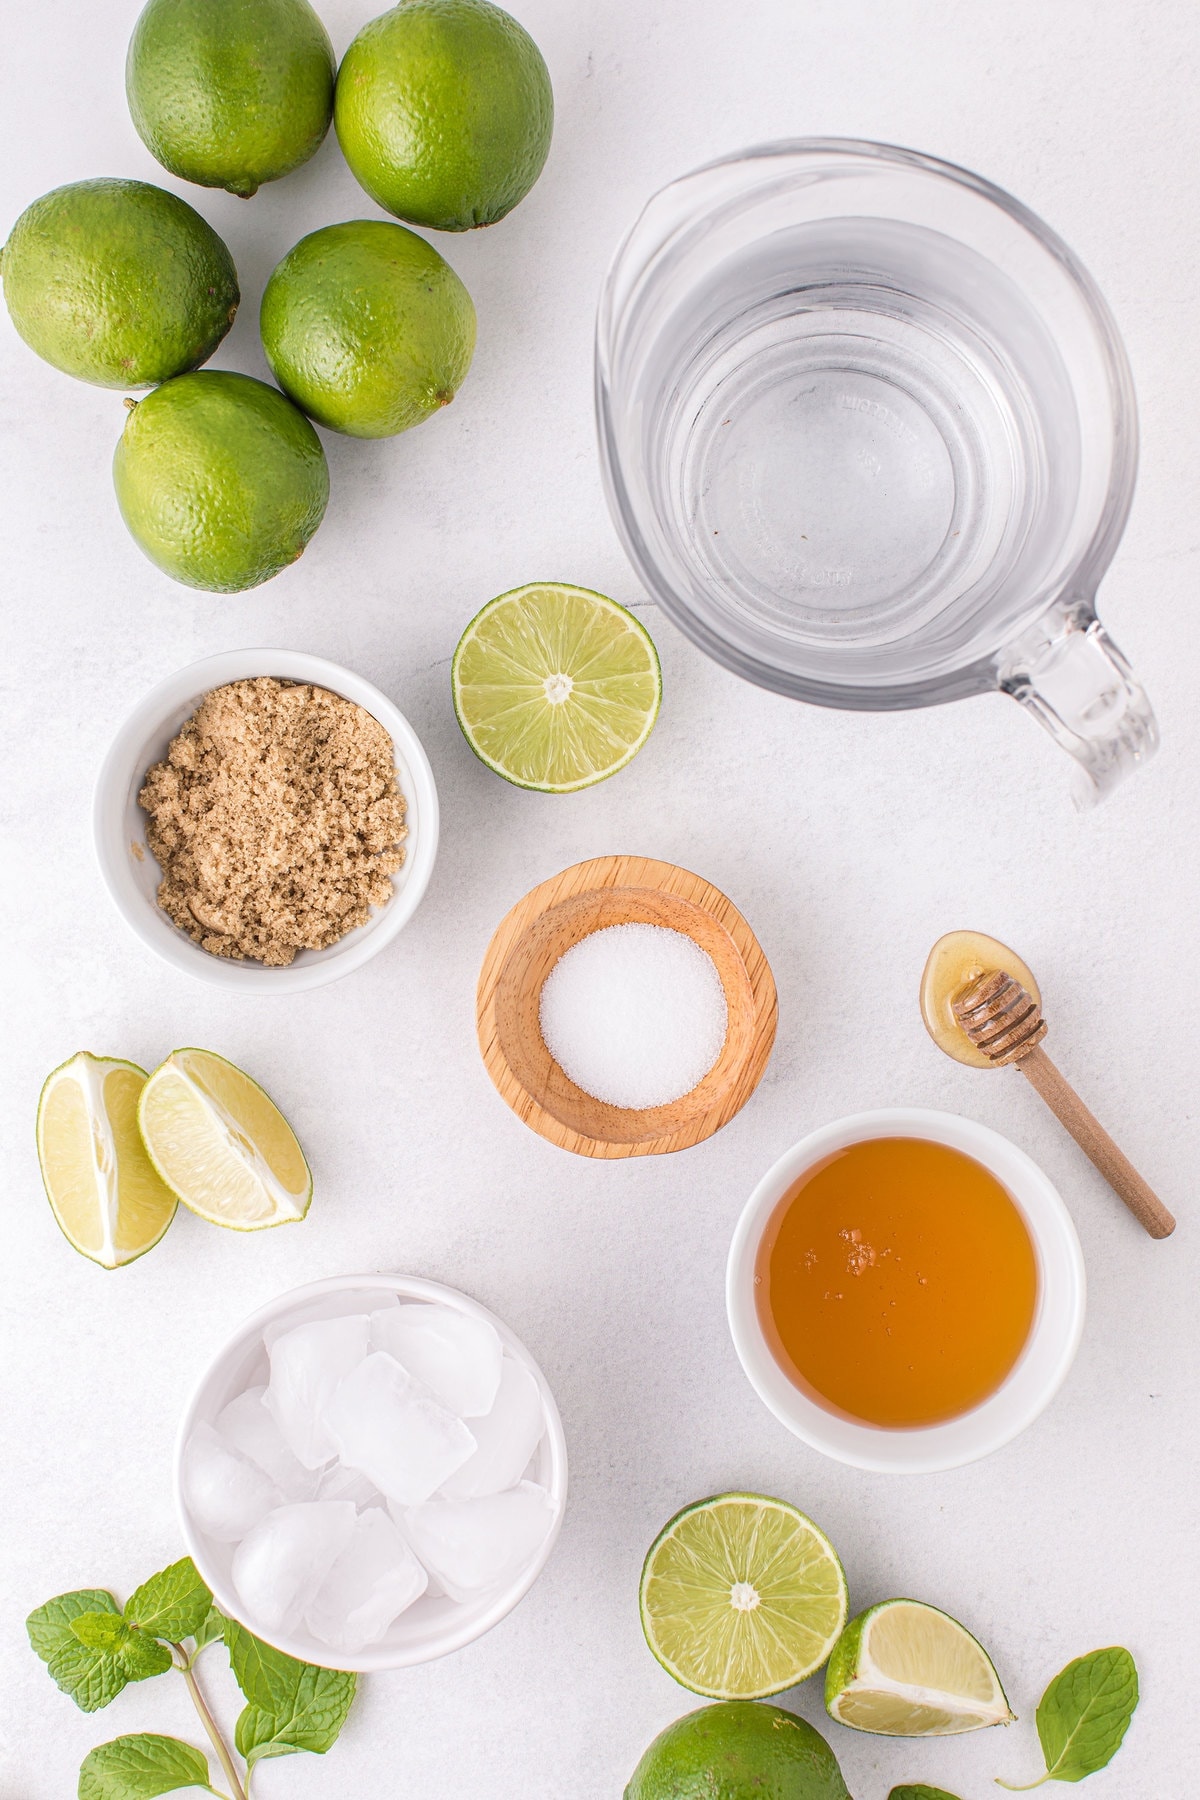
220 479
555 687
742 1596
738 1750
118 282
444 112
230 93
367 328
904 1669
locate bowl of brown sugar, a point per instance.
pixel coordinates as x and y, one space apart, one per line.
266 820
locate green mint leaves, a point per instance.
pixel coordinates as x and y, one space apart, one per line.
93 1648
1083 1716
173 1605
919 1790
138 1768
292 1705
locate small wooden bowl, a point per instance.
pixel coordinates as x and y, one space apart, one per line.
619 890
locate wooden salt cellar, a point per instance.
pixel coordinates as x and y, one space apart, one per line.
620 890
1004 1021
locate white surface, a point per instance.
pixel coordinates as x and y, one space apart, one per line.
1044 1362
850 842
119 824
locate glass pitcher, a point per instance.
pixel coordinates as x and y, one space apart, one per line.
868 435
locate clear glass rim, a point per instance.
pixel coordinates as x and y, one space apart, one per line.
982 674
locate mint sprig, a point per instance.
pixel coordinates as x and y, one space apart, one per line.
1083 1716
93 1648
919 1790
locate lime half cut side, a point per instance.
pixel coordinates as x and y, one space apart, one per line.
222 1144
102 1187
555 687
904 1669
741 1597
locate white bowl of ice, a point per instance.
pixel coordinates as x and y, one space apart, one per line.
371 1473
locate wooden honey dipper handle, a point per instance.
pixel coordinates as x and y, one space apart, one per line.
1002 1019
1095 1142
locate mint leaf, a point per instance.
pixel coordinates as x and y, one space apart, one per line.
89 1676
172 1604
211 1627
266 1677
137 1655
919 1790
138 1768
50 1625
311 1718
1084 1714
101 1631
144 1656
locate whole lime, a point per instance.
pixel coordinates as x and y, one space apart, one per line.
738 1750
230 93
118 282
367 328
220 479
444 111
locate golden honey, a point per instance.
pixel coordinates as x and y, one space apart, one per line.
957 960
896 1282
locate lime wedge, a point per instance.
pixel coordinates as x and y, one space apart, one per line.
221 1144
555 687
904 1669
742 1596
100 1183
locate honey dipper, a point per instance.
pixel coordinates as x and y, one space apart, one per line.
1005 1023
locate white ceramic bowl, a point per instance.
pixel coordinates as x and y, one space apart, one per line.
1043 1364
119 824
432 1626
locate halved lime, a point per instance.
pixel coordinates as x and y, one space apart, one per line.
105 1194
742 1596
903 1669
222 1144
555 687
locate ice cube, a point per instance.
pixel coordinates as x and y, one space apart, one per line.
225 1493
373 1580
340 1483
472 1545
279 1568
507 1437
252 1430
455 1354
307 1364
389 1426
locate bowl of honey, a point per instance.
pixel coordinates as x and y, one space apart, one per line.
905 1290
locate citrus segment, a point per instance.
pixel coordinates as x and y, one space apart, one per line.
555 687
222 1144
742 1596
102 1187
903 1669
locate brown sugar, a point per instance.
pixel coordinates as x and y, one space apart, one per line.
277 820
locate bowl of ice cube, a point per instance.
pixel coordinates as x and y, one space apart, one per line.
371 1473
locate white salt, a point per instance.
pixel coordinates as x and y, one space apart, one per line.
635 1014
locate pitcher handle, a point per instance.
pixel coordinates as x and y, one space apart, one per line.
1070 675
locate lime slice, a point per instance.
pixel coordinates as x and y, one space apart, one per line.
741 1597
222 1144
904 1669
100 1183
555 687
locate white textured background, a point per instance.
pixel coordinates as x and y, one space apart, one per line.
850 842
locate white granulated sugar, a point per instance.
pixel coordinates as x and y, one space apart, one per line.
635 1014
